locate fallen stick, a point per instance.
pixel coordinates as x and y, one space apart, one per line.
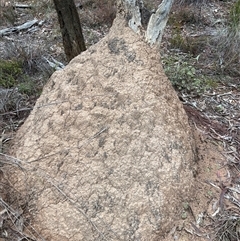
17 5
27 25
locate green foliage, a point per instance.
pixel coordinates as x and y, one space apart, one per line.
185 77
27 87
177 41
9 72
12 75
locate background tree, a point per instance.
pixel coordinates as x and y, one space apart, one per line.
73 40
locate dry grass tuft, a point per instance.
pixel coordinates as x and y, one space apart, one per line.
15 213
97 13
7 13
227 50
228 42
226 225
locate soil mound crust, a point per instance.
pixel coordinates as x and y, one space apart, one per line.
107 151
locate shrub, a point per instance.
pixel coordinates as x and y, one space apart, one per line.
185 77
10 70
13 76
27 87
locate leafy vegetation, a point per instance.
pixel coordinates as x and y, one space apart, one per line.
10 70
185 77
12 76
28 87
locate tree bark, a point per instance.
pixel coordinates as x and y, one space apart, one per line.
73 40
133 9
157 23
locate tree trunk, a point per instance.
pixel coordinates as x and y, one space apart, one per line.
157 23
70 25
133 12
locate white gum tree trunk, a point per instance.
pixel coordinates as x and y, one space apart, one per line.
158 22
133 13
131 9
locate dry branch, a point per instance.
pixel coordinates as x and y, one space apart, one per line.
55 64
25 26
18 5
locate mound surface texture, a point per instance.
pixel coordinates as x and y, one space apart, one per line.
107 150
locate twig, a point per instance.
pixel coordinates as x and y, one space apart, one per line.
218 95
24 26
226 138
31 108
94 136
55 64
17 5
11 160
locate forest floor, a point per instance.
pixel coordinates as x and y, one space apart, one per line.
192 58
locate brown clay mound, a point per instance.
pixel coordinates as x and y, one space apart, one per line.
107 150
